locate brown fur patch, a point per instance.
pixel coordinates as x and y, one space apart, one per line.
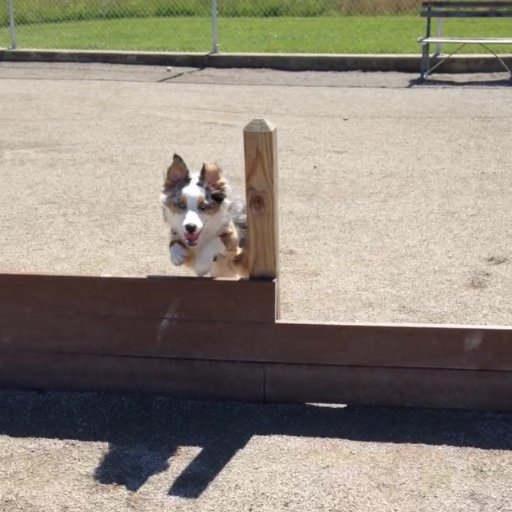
230 239
241 262
235 256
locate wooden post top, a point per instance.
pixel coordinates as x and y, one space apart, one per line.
260 125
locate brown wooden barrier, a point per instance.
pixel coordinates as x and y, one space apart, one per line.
219 339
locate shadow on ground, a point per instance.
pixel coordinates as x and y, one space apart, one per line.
144 432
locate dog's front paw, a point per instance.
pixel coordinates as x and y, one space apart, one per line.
178 254
206 258
202 268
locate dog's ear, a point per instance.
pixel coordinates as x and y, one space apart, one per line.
211 176
177 173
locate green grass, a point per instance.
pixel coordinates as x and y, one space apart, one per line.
339 34
50 11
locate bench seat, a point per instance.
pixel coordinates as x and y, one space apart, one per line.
464 40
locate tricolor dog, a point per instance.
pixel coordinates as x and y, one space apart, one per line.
207 228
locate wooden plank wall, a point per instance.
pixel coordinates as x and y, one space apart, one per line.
202 338
118 334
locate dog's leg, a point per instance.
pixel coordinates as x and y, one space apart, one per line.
241 263
223 267
179 253
206 256
236 257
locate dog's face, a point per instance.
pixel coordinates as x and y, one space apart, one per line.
192 203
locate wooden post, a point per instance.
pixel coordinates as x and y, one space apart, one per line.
260 147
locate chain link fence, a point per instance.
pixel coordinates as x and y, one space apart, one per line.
296 26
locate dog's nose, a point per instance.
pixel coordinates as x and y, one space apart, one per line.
190 228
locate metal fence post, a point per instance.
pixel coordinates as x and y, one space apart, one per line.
215 28
12 25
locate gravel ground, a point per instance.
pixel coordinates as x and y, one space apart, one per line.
83 452
394 207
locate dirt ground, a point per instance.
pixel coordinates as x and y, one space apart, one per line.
394 207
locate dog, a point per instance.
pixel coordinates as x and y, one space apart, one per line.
208 229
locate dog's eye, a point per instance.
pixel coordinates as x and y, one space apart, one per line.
182 205
203 206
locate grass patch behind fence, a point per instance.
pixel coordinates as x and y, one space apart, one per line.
52 11
346 34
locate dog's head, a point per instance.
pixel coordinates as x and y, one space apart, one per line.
192 201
